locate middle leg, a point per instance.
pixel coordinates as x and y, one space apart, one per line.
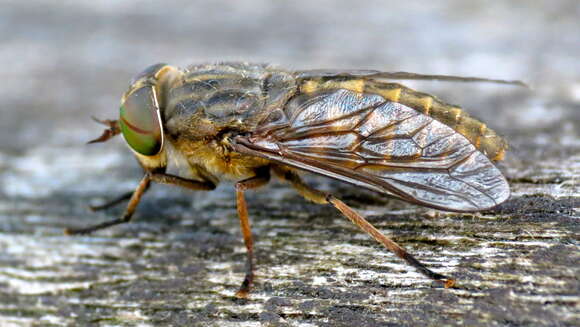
262 177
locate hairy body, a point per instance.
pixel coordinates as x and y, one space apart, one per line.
204 105
241 122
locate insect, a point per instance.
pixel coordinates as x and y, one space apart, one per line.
245 122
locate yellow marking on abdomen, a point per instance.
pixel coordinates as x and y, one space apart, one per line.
500 155
427 103
355 85
457 114
309 86
392 95
482 129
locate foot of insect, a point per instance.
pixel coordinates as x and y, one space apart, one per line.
133 202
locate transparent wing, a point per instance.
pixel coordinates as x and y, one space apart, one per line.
380 145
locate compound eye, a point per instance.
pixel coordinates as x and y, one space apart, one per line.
141 122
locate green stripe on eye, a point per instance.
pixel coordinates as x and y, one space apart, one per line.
140 123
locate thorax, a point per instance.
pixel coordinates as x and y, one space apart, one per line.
203 104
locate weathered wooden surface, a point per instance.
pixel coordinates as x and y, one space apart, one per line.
181 260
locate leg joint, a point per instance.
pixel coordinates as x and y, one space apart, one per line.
240 186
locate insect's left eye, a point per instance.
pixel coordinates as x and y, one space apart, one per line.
141 122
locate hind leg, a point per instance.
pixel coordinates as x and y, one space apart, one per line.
320 197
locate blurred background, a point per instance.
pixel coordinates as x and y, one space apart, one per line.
65 61
68 60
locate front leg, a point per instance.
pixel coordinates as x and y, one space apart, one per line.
111 203
262 177
136 196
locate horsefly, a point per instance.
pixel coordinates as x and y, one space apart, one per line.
243 122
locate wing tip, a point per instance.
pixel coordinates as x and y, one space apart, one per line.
499 197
